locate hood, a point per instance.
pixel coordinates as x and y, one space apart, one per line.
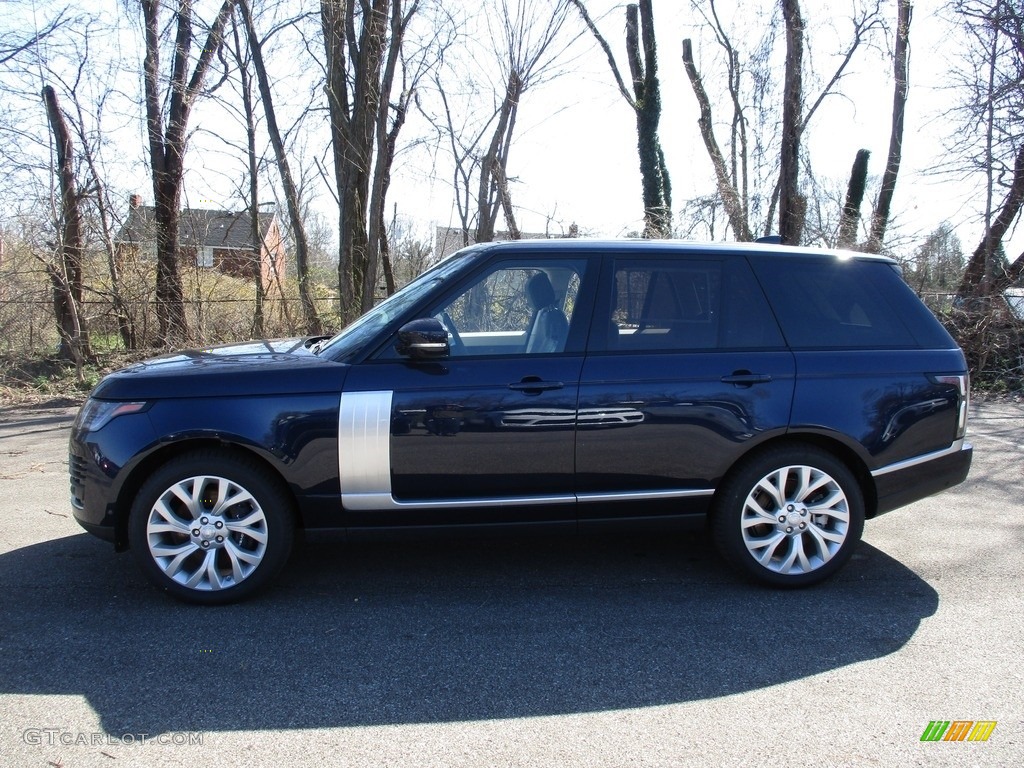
272 367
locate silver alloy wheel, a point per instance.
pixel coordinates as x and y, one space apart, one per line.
207 533
795 519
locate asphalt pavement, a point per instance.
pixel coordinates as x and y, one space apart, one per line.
615 651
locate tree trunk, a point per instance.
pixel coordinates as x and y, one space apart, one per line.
496 157
854 197
311 319
643 66
790 223
353 123
256 254
973 282
385 153
646 104
506 203
167 147
880 220
727 191
66 273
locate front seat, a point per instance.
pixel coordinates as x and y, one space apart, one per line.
549 326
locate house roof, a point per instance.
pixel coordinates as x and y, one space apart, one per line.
198 227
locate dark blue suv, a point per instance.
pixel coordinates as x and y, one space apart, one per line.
780 395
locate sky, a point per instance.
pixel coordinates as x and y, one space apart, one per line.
574 157
580 164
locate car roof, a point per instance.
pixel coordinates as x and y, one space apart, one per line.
668 246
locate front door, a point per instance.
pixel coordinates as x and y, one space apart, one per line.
486 435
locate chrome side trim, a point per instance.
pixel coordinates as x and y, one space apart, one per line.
364 465
364 446
371 501
956 447
384 501
645 495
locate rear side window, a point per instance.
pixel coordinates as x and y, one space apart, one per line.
686 304
847 305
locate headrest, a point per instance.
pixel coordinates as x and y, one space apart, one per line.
539 291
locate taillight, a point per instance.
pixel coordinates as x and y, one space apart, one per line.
962 382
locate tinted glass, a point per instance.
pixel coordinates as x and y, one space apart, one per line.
675 304
515 308
850 304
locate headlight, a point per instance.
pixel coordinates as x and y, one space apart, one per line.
96 414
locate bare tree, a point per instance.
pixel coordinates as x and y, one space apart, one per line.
791 203
880 219
854 198
750 170
734 204
354 44
989 132
386 138
167 128
66 270
87 90
13 45
310 316
645 100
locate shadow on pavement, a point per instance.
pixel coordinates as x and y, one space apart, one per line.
395 633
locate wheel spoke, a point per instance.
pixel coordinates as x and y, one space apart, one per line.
822 538
774 485
768 543
834 505
185 496
250 525
179 555
796 555
236 567
171 522
755 515
197 577
229 495
252 558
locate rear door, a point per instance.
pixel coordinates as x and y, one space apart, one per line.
686 369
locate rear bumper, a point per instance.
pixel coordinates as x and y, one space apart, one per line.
911 481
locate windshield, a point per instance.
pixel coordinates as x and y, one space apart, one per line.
355 334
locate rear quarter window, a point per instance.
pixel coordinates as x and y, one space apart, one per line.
847 304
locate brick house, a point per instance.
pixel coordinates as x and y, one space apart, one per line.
210 239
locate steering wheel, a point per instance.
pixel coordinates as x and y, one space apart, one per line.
458 347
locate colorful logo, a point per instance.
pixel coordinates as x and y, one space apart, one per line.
958 730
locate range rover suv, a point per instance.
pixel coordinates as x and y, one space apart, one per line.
781 396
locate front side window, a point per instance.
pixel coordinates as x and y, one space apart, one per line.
514 308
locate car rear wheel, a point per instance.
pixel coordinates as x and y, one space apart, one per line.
211 527
790 516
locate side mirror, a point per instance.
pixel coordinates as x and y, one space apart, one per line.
423 339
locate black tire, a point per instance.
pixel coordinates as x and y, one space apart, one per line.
802 540
211 527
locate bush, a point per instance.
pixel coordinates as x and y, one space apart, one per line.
993 342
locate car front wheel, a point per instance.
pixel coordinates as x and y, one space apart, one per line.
211 528
790 516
